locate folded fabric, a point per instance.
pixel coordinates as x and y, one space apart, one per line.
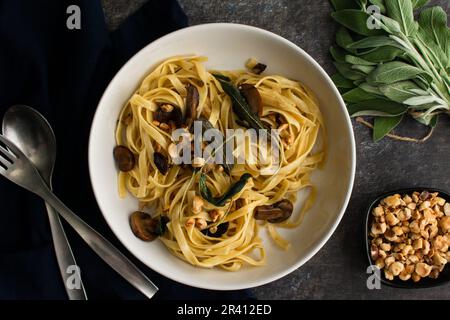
62 73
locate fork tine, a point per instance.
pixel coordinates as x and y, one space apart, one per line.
14 151
4 161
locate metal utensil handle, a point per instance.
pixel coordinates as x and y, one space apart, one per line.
101 246
64 255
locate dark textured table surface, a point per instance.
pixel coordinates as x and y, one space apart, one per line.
338 270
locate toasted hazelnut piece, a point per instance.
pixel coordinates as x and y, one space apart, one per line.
447 209
439 260
444 223
374 252
416 215
411 205
404 276
392 201
397 230
415 197
426 247
197 204
378 228
424 205
389 260
382 254
396 267
407 199
434 273
172 150
378 241
201 223
415 277
422 269
414 226
385 246
440 201
391 219
388 275
440 243
164 126
215 214
418 244
378 211
413 259
380 263
167 108
390 235
406 230
156 123
408 249
189 222
198 162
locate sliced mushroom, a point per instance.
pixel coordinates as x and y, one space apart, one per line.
287 208
143 226
221 229
275 213
147 228
253 98
192 100
165 115
124 158
259 68
161 162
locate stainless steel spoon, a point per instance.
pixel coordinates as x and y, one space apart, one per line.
31 132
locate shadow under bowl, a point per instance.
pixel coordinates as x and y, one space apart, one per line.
444 276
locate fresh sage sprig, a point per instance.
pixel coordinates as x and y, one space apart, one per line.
221 200
390 65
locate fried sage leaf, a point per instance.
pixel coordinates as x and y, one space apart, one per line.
240 105
221 200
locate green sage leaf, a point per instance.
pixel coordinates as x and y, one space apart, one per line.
343 39
364 69
383 125
356 21
342 82
357 95
433 22
419 3
402 12
399 91
376 107
344 4
373 42
347 72
382 54
392 72
357 60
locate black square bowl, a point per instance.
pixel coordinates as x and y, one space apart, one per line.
444 276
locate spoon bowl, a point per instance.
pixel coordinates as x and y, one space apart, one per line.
29 130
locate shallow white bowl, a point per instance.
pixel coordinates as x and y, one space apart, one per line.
228 46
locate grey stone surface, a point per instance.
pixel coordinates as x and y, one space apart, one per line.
338 270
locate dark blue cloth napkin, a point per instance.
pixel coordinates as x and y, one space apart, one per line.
62 73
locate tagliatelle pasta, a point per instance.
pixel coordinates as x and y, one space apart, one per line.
287 105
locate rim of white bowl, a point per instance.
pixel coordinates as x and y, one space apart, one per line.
349 128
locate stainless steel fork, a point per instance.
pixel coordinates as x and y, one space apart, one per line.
16 167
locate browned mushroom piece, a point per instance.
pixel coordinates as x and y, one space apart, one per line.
253 98
161 162
287 207
275 213
124 158
192 101
144 226
259 68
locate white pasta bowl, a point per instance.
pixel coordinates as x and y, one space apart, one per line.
228 46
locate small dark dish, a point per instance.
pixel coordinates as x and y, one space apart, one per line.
444 276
